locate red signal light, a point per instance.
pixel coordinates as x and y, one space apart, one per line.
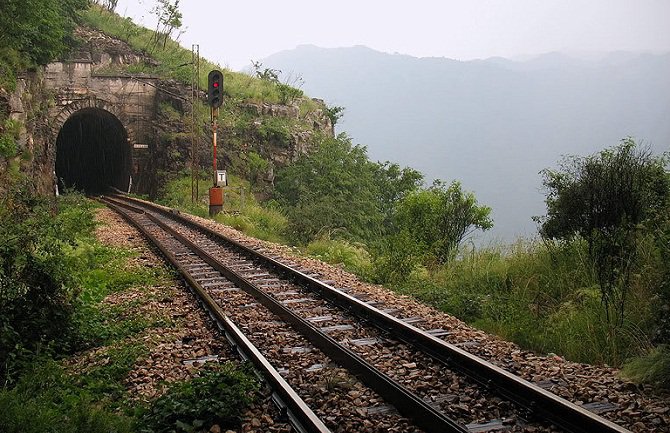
214 87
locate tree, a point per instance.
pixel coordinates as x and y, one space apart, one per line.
38 29
393 184
169 19
331 189
109 5
334 113
609 199
440 217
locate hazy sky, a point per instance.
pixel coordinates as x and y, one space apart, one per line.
233 33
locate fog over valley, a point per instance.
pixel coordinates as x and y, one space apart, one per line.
493 124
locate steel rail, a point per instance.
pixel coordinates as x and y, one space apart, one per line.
405 401
537 401
299 414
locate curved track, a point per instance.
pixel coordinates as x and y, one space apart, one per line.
440 387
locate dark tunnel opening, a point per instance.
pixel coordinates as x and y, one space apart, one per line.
93 153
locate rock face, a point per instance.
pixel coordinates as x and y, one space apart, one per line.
155 114
27 105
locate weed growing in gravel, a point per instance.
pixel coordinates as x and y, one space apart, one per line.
219 395
104 377
108 273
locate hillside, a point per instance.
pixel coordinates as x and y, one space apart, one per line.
493 124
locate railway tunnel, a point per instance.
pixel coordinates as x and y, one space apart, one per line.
93 152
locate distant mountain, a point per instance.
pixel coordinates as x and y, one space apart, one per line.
494 123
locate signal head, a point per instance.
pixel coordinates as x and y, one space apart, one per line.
214 87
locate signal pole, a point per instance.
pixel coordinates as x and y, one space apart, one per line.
214 99
195 91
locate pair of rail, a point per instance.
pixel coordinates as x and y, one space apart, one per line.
535 400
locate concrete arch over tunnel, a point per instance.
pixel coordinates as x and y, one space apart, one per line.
93 152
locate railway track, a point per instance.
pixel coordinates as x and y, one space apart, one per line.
354 363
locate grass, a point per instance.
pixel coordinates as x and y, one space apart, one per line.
57 394
241 210
47 399
544 297
173 57
352 257
219 395
653 367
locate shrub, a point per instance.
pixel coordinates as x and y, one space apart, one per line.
610 200
275 130
46 399
9 134
218 395
653 368
353 257
38 286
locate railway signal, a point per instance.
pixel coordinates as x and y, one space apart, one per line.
214 100
215 89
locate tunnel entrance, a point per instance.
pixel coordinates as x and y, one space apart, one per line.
93 153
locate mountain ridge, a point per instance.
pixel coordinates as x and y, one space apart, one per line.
494 124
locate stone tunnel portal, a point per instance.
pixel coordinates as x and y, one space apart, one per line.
93 152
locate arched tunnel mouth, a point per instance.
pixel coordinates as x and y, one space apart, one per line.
92 153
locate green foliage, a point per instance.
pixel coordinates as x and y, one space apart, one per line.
334 113
46 399
608 199
258 221
106 273
257 167
174 60
440 217
653 368
39 29
395 259
241 211
288 94
37 283
542 295
168 17
275 130
353 257
53 276
393 185
9 134
34 32
266 74
218 396
331 189
661 318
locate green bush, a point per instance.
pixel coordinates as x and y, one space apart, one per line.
275 130
257 221
541 295
353 257
219 395
46 399
9 134
395 259
653 368
38 284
